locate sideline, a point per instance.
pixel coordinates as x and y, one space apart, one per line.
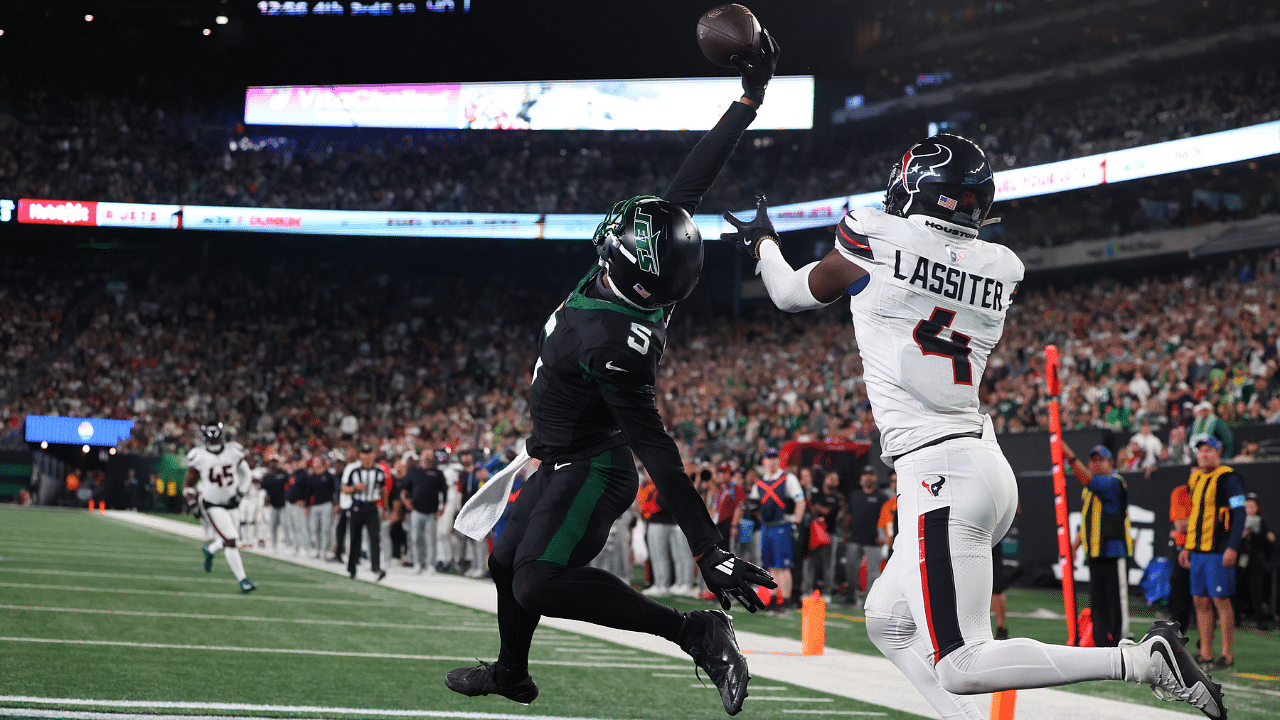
869 679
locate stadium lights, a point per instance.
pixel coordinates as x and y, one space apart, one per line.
85 449
44 445
206 32
112 451
221 19
1 32
88 18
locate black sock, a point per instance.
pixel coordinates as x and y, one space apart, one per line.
595 596
506 677
694 625
516 626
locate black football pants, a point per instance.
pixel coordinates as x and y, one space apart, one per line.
1105 595
366 517
558 524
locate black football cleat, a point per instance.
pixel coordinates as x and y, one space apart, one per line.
482 680
1175 673
247 586
716 652
208 560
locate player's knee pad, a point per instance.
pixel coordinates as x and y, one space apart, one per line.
888 632
535 586
229 544
953 670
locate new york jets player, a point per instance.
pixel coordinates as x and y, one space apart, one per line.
929 301
592 403
218 477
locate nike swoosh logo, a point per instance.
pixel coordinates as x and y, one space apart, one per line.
1168 660
610 366
560 465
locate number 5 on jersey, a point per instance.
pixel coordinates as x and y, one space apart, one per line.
638 339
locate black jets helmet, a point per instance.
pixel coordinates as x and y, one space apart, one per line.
211 431
945 176
652 251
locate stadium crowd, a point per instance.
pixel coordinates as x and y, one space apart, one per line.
89 146
293 363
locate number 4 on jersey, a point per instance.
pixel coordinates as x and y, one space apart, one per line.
957 348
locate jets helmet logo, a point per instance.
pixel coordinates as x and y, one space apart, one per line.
646 258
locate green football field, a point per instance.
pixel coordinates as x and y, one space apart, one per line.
100 615
92 609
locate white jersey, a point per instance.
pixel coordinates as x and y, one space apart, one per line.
927 319
222 474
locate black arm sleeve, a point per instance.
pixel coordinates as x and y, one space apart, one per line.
648 439
700 169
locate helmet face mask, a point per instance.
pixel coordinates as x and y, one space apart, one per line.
212 434
652 251
946 177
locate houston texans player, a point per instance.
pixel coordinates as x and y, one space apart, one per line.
929 300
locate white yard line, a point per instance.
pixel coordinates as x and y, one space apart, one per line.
249 618
865 712
147 704
326 653
174 578
82 553
1233 687
178 593
790 699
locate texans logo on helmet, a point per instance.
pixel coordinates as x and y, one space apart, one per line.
933 488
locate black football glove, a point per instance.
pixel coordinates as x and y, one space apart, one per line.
750 235
757 70
729 577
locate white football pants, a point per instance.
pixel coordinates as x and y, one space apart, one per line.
930 611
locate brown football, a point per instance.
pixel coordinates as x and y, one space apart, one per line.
728 30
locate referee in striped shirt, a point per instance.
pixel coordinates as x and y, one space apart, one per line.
366 483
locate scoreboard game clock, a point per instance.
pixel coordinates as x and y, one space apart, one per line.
333 8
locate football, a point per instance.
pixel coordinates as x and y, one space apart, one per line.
728 30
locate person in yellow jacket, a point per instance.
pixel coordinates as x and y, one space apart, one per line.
1108 540
1213 542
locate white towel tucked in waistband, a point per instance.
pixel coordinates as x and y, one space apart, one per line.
477 518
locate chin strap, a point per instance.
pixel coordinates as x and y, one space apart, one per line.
989 221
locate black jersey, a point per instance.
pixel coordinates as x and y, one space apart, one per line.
594 354
593 382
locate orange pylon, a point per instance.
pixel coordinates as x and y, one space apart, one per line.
1002 704
813 625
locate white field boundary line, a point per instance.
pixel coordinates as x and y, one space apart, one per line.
250 618
243 707
171 578
325 653
179 593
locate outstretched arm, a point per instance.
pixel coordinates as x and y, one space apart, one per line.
815 285
708 157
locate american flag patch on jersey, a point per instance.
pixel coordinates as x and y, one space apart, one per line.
643 293
946 202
